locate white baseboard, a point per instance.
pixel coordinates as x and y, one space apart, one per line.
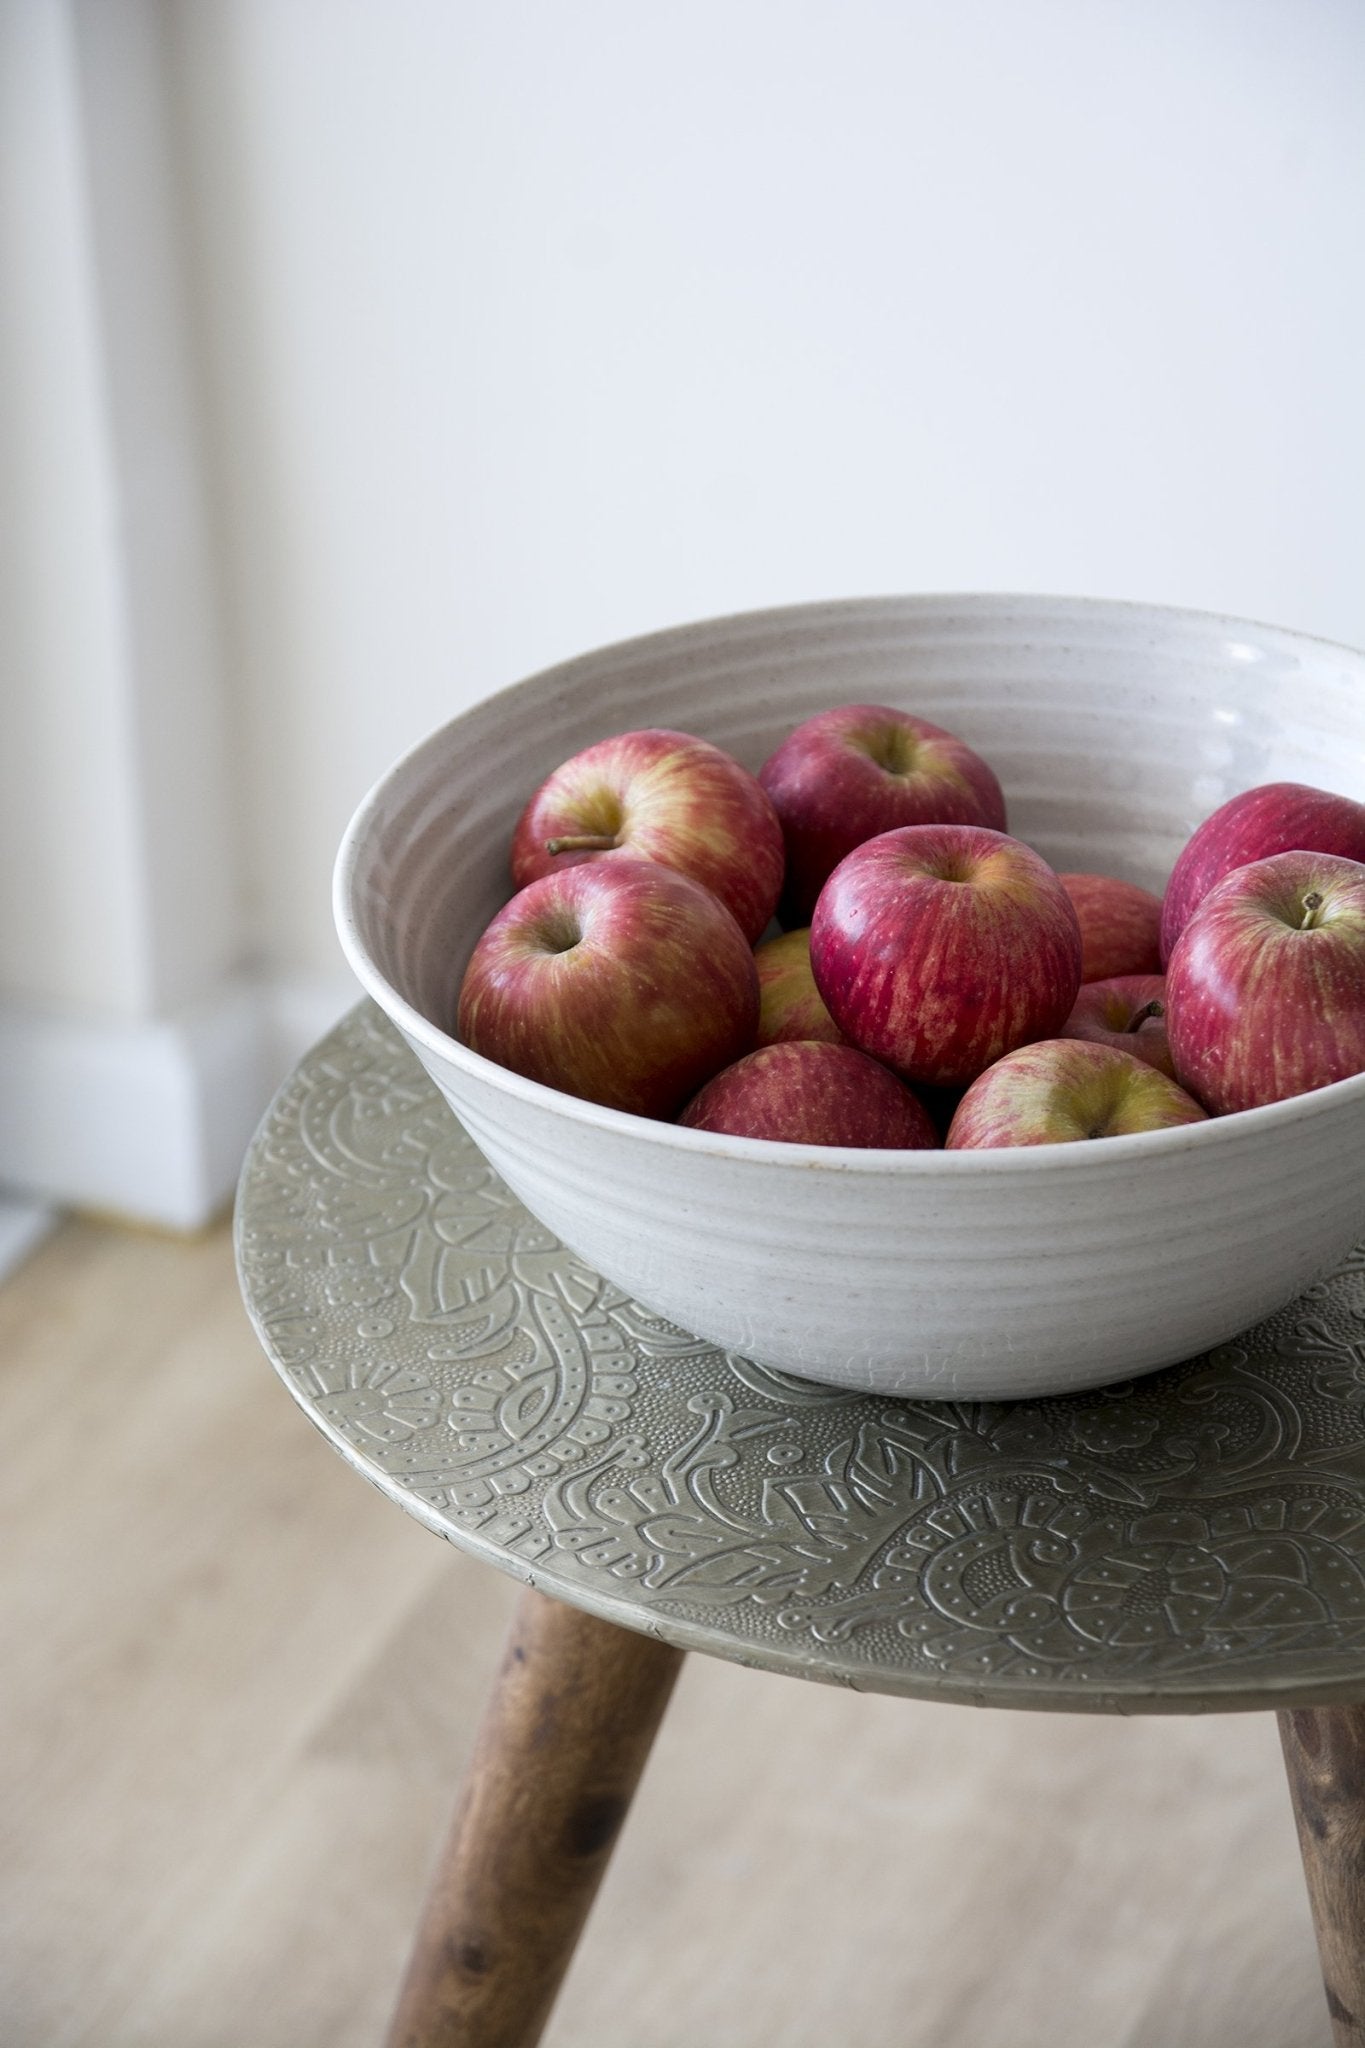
23 1226
152 1121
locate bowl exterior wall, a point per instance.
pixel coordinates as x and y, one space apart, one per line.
1114 729
953 1287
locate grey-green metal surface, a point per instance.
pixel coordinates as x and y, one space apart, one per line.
1192 1540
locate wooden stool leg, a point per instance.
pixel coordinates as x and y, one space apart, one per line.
564 1739
1324 1754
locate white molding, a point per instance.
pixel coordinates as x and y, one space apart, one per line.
151 1121
23 1226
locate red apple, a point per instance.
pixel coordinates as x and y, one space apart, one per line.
938 948
1265 991
1120 926
808 1092
1275 817
1127 1012
1063 1090
847 775
791 1004
663 796
621 981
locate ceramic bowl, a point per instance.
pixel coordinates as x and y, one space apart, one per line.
1114 729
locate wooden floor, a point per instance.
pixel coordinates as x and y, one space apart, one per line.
239 1686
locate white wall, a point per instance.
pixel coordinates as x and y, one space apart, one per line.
129 1059
533 325
418 343
115 898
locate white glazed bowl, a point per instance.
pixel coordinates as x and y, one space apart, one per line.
1114 729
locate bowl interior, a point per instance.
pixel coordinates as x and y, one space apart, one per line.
1114 729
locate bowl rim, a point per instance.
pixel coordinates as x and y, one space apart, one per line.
1060 1156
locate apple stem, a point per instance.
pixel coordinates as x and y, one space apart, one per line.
1152 1009
1312 904
583 842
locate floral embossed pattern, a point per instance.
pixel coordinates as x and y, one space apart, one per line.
1194 1538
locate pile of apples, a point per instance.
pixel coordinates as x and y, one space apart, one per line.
935 981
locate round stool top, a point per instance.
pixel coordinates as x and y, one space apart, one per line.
1191 1540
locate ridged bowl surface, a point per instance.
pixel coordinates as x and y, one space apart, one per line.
1114 730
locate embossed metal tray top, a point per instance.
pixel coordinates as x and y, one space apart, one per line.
1192 1540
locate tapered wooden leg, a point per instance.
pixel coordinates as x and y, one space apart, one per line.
1324 1754
564 1739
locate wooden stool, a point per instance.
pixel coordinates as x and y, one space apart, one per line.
1192 1541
